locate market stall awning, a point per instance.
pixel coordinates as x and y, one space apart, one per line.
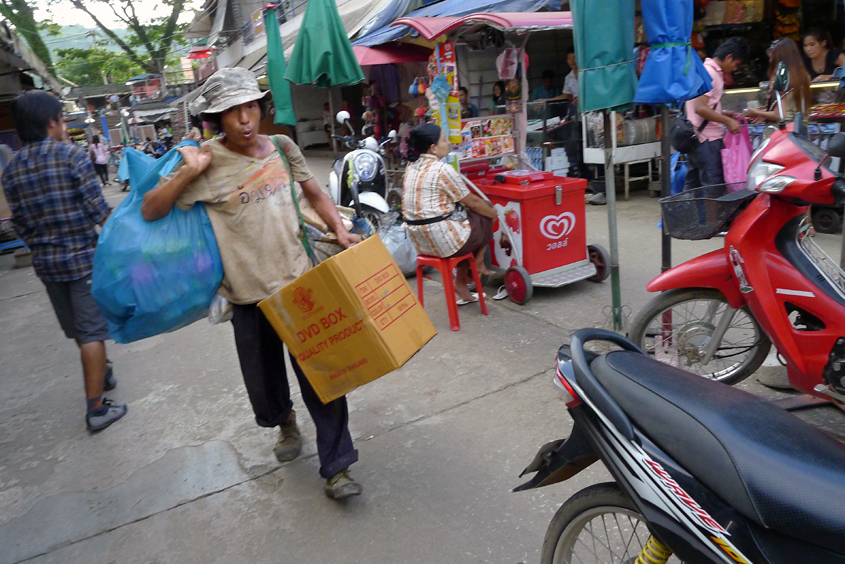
457 9
251 59
673 72
152 116
430 28
387 54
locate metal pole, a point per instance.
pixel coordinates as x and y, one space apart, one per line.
610 192
332 120
665 185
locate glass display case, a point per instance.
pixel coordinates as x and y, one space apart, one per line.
553 141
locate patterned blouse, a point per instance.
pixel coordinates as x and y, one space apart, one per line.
432 188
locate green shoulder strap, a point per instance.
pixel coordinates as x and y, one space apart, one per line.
303 233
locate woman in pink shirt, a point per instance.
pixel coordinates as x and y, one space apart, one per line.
99 155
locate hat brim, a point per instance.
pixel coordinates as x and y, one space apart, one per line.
226 102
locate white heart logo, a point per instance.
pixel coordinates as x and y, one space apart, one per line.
557 226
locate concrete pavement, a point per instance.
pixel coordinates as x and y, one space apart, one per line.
187 476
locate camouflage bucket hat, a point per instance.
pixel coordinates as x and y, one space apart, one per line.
227 88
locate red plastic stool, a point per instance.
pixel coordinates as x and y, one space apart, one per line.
446 266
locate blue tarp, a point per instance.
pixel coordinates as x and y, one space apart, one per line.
392 12
105 129
456 9
673 71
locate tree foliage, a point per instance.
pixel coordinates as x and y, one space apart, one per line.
20 13
94 66
151 39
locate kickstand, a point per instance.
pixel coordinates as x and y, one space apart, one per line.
805 401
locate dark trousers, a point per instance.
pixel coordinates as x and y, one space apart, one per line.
262 356
704 167
103 171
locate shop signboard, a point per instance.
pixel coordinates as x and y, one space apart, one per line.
486 137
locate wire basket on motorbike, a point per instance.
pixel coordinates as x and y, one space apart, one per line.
703 212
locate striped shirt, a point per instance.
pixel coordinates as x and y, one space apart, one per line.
56 201
431 189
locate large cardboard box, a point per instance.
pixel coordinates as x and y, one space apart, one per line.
350 320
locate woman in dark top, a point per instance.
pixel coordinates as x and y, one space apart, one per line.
821 59
499 97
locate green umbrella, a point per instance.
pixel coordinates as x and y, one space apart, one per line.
276 70
607 80
604 47
323 55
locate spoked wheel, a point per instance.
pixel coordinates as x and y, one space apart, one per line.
518 284
677 328
373 216
598 525
601 259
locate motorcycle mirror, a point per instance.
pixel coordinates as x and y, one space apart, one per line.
781 83
343 117
836 146
392 134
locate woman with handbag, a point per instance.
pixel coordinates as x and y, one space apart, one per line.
444 219
245 180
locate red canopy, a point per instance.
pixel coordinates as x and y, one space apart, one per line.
391 53
430 28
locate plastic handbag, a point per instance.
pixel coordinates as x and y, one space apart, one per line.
154 277
735 158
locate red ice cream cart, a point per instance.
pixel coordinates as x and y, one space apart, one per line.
540 236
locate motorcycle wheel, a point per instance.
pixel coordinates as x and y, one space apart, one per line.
598 525
692 314
373 216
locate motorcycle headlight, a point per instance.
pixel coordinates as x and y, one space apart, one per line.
759 171
367 166
775 184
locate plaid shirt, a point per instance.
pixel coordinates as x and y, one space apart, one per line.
56 201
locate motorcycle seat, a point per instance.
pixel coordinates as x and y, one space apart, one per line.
774 468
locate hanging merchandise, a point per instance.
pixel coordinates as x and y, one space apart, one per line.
443 92
507 64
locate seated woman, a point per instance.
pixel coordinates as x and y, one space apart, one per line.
439 227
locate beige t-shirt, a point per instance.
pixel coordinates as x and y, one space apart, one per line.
254 219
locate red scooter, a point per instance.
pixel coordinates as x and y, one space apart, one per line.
719 313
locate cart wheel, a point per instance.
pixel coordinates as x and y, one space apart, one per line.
518 284
826 220
599 257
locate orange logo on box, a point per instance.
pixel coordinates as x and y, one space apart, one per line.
302 299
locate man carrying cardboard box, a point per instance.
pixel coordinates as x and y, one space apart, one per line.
246 186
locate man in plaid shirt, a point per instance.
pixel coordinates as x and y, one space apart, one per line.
56 202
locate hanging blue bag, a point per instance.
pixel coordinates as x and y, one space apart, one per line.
679 173
154 277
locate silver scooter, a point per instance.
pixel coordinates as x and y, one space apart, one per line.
359 179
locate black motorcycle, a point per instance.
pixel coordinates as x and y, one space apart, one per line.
704 473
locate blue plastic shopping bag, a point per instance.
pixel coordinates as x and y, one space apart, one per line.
154 277
679 173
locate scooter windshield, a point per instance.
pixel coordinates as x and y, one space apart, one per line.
809 148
